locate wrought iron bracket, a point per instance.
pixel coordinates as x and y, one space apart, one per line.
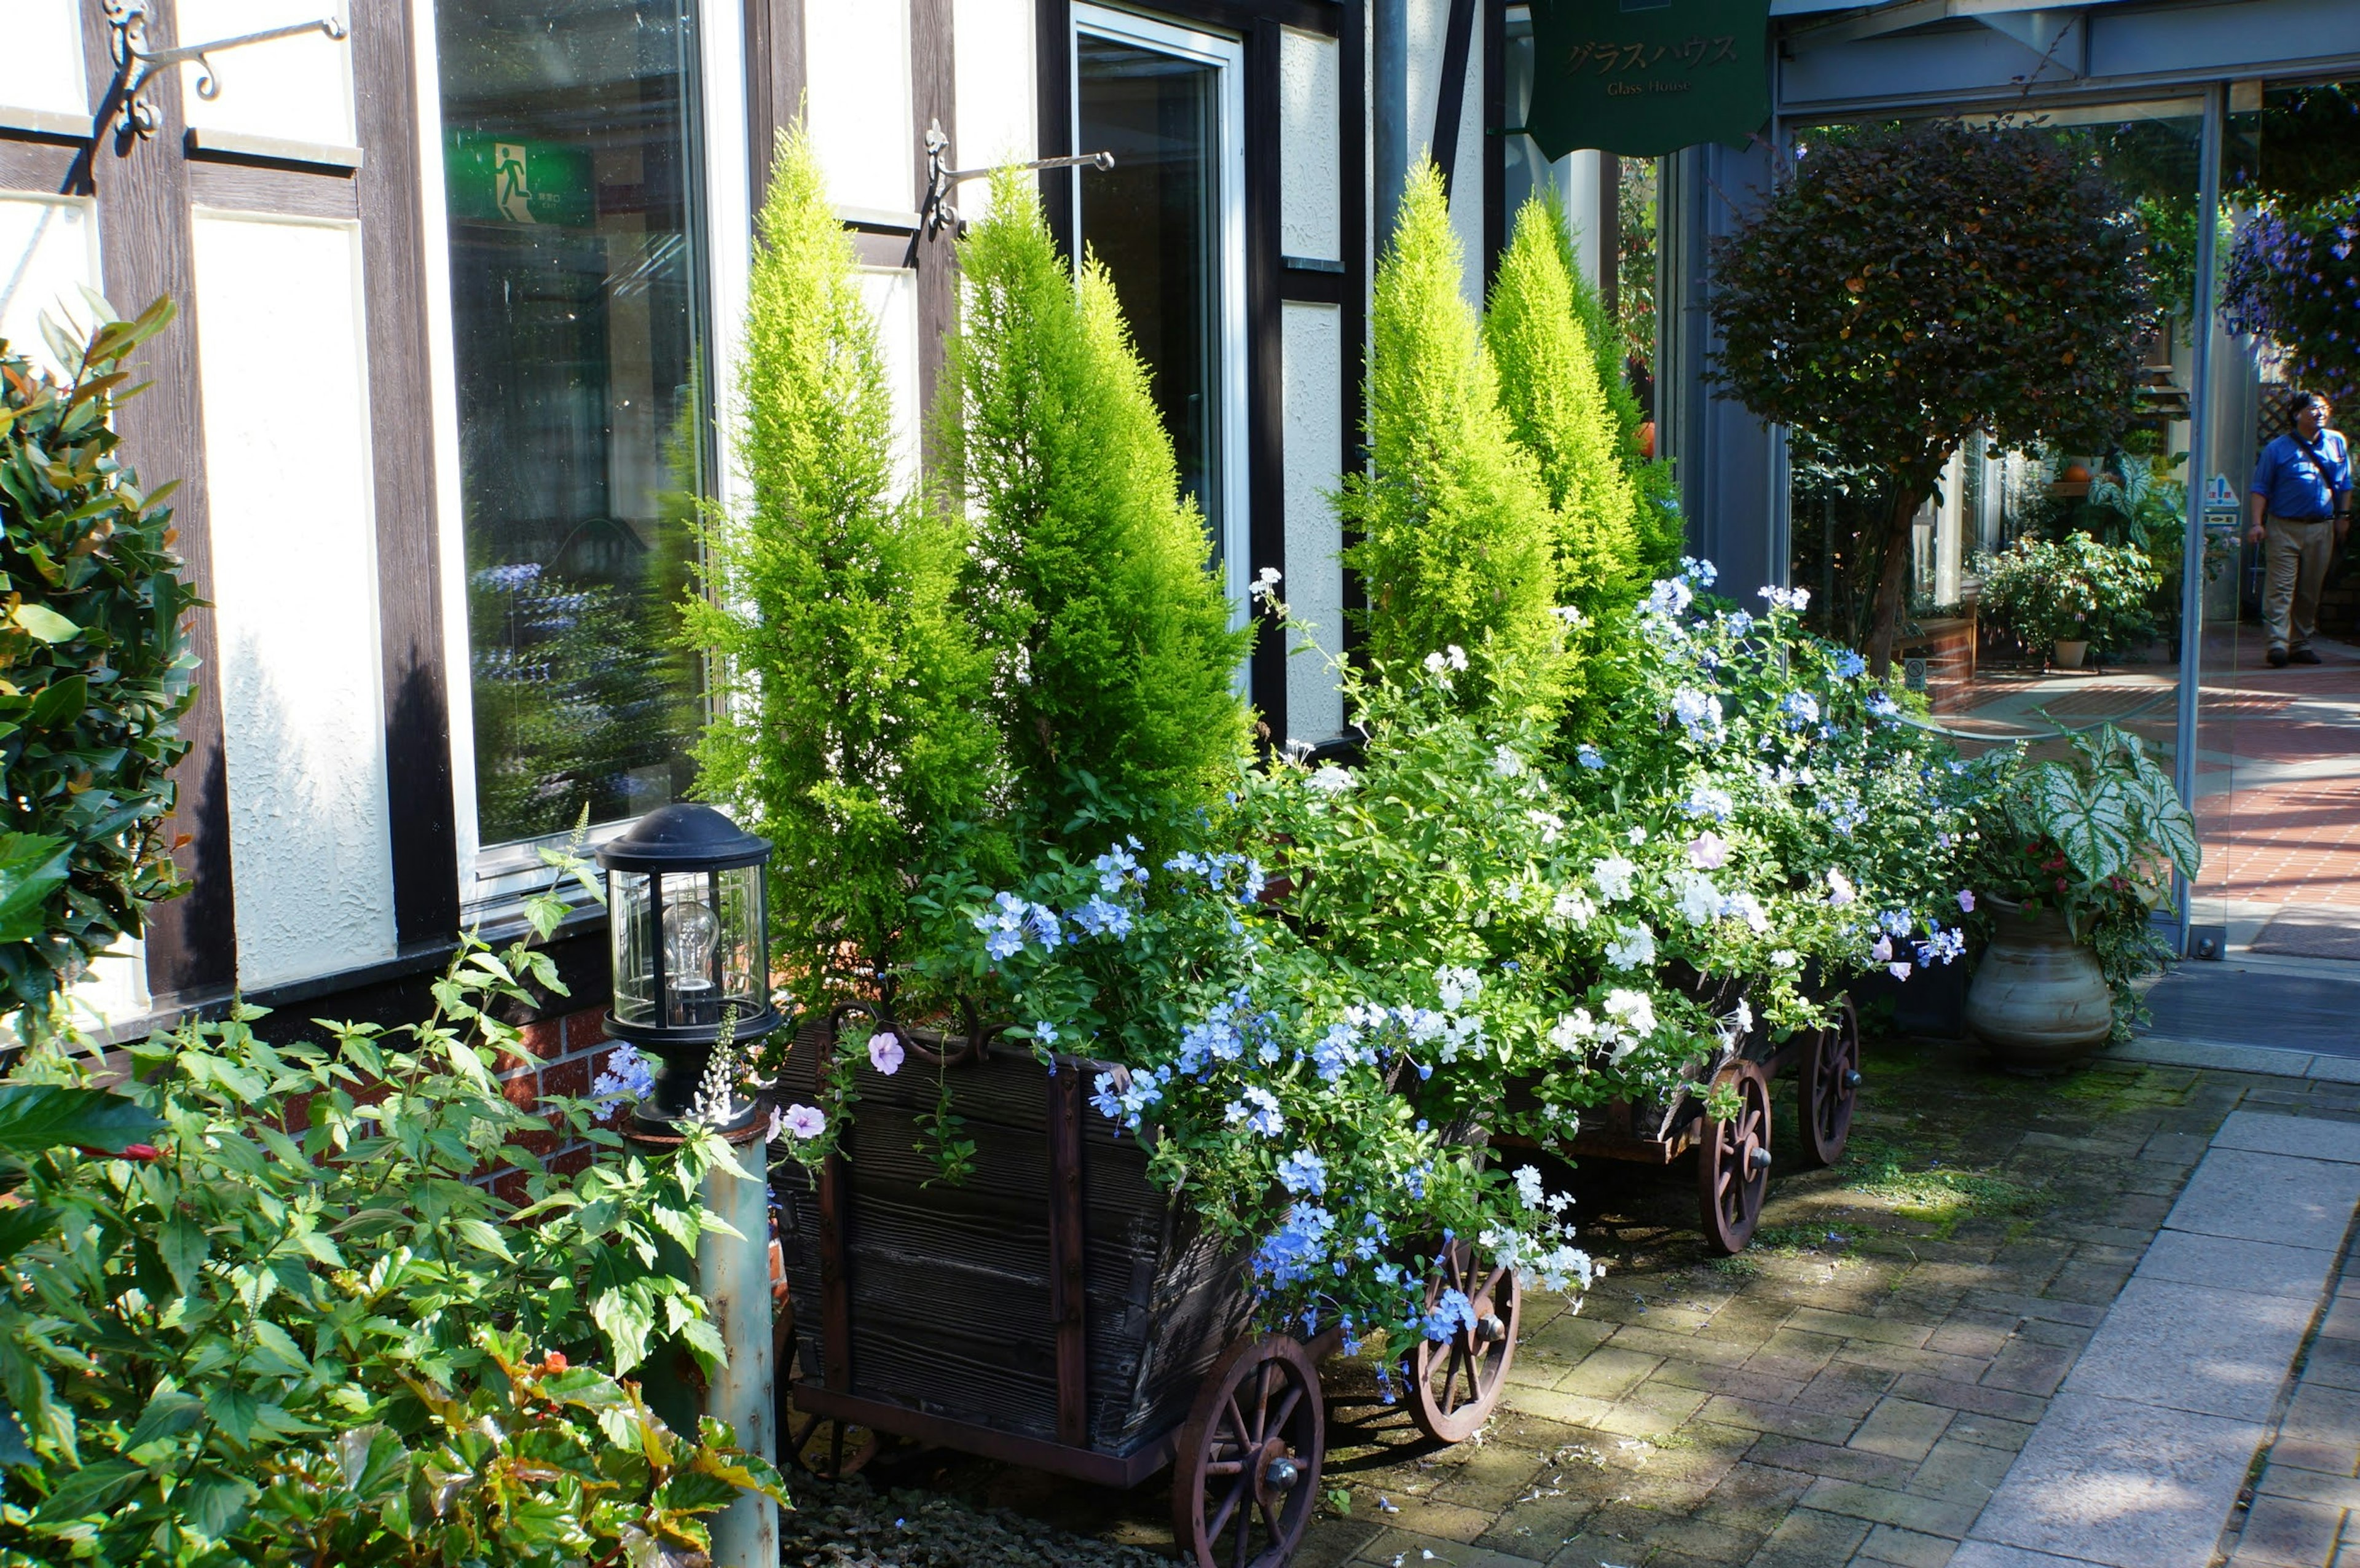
936 213
135 64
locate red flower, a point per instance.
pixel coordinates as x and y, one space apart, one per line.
554 1362
146 1153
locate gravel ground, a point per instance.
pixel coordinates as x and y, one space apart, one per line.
850 1524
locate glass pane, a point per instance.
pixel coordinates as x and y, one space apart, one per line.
739 901
1155 220
692 946
632 923
573 179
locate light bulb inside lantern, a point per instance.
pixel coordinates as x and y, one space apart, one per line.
689 929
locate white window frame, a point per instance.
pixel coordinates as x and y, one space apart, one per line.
494 878
1227 53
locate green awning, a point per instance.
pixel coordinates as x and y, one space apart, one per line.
1645 77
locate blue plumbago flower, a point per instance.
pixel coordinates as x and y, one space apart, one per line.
1802 710
1125 1104
1738 622
1303 1171
1528 1186
1589 755
1258 1109
1703 573
1444 1318
1900 922
1118 866
625 1076
1330 779
1668 598
1698 713
1100 918
1794 599
1704 801
1941 947
1289 1255
1850 666
1883 707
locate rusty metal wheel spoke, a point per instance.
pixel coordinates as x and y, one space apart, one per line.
1733 1160
1829 1090
1246 1474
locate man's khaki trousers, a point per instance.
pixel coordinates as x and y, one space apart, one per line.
2297 550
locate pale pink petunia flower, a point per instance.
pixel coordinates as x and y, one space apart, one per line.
885 1052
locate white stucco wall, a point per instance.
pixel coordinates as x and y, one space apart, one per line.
299 88
1429 22
857 65
48 254
992 60
287 456
1312 343
1311 153
893 298
41 65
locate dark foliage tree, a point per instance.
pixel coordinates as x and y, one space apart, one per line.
1911 284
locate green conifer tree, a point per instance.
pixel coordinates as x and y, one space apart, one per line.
1557 409
1457 540
849 722
1656 524
1090 581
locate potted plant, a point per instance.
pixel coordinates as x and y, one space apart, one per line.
2076 854
2065 595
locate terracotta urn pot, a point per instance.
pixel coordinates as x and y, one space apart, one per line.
2038 998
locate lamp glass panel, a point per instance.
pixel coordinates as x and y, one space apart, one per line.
692 942
738 894
631 920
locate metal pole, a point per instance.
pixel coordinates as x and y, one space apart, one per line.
2199 430
1389 45
733 1274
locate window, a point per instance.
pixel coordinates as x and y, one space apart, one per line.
573 184
1168 220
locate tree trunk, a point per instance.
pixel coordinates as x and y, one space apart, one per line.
1908 497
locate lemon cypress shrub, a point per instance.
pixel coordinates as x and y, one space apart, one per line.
1456 543
1556 408
1089 581
849 726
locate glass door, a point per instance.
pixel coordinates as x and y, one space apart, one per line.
1168 223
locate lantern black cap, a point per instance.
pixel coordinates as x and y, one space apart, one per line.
683 838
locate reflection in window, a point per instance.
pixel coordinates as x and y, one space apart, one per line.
1155 221
572 171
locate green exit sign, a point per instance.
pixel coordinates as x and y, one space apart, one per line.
493 177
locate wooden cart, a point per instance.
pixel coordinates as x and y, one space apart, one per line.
1059 1310
1734 1156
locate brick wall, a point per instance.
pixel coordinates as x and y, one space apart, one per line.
563 1054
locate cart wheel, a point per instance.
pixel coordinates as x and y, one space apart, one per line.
1455 1384
1245 1478
1828 1088
1733 1162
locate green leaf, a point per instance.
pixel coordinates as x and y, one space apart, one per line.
92 1490
32 867
479 1233
181 1242
215 1507
235 1411
46 624
21 1226
168 1414
39 1116
14 1449
62 702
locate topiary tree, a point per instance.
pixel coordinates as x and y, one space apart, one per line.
1912 284
1458 541
849 724
1090 580
95 670
1558 411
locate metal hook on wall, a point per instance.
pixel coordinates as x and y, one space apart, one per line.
136 63
936 213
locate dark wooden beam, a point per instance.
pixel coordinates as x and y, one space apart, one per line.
1265 409
1352 133
1450 96
417 766
146 246
933 91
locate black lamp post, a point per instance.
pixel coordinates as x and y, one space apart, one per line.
684 908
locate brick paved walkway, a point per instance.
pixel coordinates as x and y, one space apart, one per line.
2304 1507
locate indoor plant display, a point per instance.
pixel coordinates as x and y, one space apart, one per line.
2066 594
2075 856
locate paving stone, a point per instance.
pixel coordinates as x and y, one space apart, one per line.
1574 1409
2007 1402
1963 1472
2185 1347
1786 1421
1851 1326
2321 1414
2035 1306
1905 1549
1991 1554
1790 1353
2121 1484
1607 1373
1810 1539
1821 1459
2334 1362
2071 1336
2309 1485
2308 1137
1756 1496
1656 1409
1901 1358
2269 1197
1934 1516
1844 1389
1975 1334
1737 1382
1412 1546
1990 1431
1700 1347
1901 1429
2282 1530
2260 1268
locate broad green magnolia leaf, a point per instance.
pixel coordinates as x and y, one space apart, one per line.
46 624
32 867
35 1117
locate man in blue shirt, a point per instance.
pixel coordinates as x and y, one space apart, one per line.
2299 508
